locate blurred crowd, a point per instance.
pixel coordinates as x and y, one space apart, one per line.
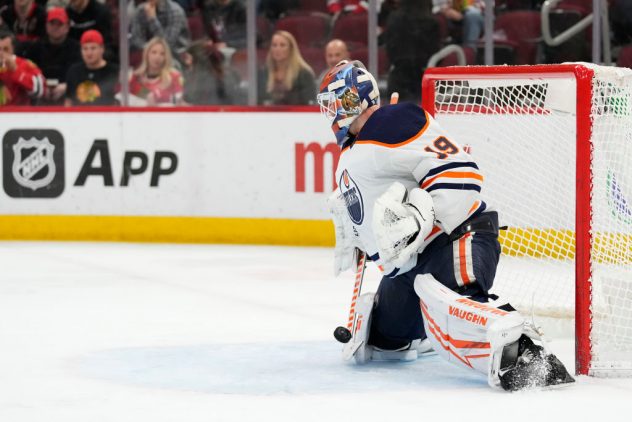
193 52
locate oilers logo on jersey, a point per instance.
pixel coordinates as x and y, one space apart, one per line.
353 198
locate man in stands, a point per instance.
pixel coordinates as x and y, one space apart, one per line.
26 19
93 81
20 79
161 18
90 14
54 55
335 51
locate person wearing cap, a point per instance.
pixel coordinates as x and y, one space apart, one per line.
21 81
26 19
54 54
160 18
93 81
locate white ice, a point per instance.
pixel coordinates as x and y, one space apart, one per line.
137 332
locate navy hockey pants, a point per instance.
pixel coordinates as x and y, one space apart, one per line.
467 266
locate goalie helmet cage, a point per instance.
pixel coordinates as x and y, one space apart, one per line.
554 143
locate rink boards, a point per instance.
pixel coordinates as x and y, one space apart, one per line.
225 175
191 175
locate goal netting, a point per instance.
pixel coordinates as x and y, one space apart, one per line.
554 144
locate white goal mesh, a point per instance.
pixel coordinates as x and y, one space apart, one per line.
521 126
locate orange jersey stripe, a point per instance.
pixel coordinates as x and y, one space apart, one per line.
453 175
463 259
407 141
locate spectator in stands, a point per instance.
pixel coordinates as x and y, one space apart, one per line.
21 80
206 79
90 14
465 13
26 19
286 78
94 80
336 7
335 51
225 22
54 55
412 35
156 82
621 15
161 18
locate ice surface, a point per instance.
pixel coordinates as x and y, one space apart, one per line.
137 332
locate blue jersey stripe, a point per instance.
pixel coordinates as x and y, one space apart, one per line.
454 186
448 166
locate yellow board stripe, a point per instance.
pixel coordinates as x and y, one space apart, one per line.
168 229
536 243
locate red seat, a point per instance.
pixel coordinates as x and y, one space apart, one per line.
309 30
522 30
625 57
352 28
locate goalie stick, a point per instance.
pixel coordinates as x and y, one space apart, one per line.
344 334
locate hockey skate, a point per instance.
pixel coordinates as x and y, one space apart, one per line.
525 365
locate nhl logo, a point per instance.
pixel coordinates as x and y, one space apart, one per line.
33 164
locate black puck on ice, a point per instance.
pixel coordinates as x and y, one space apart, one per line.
342 334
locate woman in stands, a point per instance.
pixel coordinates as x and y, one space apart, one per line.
286 79
156 82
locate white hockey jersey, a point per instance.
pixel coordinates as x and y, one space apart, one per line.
402 143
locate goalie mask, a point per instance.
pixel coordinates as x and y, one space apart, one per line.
345 92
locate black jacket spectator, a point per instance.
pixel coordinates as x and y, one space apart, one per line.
93 81
90 14
412 36
54 59
32 28
54 56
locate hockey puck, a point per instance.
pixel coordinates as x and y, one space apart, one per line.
342 334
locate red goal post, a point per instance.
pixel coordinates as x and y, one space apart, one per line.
555 145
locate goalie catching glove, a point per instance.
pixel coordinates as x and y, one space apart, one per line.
401 222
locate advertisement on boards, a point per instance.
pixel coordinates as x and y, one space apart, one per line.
199 164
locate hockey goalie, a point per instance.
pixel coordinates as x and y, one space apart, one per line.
409 198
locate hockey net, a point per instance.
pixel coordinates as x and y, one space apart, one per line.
554 144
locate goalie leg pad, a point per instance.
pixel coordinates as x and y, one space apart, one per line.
489 340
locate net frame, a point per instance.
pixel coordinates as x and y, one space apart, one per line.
584 75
